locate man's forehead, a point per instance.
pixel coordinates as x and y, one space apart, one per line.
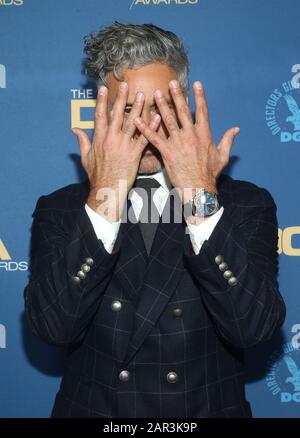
146 79
148 95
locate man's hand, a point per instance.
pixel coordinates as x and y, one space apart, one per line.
113 154
191 158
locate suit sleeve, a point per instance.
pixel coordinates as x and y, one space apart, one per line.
236 270
60 304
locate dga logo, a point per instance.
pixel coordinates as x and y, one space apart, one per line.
6 262
163 2
11 2
2 76
82 105
283 109
2 336
283 374
286 241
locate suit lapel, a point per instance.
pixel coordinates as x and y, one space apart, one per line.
162 274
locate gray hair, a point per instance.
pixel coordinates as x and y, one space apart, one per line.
122 46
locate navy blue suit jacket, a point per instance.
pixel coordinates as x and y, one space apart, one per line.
176 313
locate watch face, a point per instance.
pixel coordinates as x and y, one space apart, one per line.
206 203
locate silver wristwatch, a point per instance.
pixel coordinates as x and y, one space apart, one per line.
204 203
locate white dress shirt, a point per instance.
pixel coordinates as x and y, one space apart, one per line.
108 231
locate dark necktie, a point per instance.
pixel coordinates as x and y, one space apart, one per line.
149 216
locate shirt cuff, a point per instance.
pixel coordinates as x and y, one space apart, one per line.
201 232
105 231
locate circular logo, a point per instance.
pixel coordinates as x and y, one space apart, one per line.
283 374
283 112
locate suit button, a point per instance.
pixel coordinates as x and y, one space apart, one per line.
89 261
116 306
219 259
232 281
177 312
172 377
85 268
81 275
75 280
124 375
223 266
227 275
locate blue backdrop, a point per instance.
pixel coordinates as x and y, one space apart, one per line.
246 53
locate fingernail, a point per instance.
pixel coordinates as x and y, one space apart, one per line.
158 93
139 96
123 86
102 89
236 130
153 113
174 84
198 85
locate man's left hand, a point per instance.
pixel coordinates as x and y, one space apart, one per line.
191 158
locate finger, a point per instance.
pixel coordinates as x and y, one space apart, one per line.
142 141
201 113
83 141
226 142
166 114
117 115
129 125
101 110
150 134
182 109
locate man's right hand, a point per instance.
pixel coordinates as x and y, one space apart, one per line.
114 153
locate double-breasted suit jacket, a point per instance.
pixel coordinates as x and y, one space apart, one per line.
157 336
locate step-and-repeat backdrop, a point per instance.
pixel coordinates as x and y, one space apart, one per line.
246 53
